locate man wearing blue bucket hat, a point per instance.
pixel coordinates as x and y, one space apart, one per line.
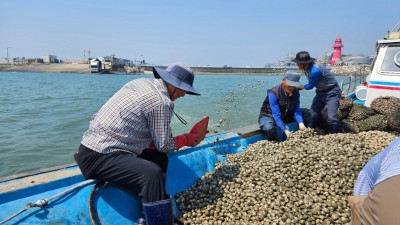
127 140
328 92
282 105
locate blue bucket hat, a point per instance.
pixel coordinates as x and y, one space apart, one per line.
178 75
292 78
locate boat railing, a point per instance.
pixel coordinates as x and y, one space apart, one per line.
349 84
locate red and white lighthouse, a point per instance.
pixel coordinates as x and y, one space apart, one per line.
337 50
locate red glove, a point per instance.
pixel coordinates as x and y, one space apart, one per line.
183 140
187 139
152 145
199 130
196 135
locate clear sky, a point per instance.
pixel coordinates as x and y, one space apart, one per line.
206 32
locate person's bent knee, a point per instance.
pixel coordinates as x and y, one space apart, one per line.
153 172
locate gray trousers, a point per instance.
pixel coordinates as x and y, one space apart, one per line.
330 99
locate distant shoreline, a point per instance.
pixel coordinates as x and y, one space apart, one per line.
84 69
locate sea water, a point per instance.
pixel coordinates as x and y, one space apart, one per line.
43 115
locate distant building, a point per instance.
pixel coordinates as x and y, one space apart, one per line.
35 60
49 59
118 62
348 60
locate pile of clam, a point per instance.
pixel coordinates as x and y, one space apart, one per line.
304 180
382 115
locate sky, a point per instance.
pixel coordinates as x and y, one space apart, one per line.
207 32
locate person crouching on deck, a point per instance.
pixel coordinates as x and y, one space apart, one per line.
282 105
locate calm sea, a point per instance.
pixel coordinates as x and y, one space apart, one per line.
43 115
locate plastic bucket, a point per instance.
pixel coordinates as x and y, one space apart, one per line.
361 92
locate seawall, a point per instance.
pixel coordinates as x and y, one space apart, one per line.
84 68
233 70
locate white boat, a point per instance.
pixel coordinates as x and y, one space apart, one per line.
384 78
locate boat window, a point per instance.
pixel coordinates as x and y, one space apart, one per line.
391 61
397 58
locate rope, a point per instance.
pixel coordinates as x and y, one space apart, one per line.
42 202
92 210
180 118
16 214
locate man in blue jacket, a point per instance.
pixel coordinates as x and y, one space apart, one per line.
282 105
327 91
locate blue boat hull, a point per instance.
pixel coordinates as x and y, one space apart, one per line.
113 204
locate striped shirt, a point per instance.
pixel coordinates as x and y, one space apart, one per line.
137 114
383 165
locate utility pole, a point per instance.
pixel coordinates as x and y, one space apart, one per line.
8 59
89 53
84 55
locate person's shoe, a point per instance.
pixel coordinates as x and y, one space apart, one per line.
334 129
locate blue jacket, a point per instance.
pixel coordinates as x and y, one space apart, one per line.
319 77
281 107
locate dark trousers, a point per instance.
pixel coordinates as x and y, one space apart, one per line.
330 99
143 175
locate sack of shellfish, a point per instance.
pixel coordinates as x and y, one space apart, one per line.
394 121
385 105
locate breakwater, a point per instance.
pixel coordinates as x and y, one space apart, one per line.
241 70
84 68
336 70
233 70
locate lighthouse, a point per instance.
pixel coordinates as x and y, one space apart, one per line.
337 50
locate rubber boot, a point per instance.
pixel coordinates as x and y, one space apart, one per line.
159 213
334 129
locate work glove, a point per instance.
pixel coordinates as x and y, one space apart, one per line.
301 126
195 136
182 140
288 133
199 130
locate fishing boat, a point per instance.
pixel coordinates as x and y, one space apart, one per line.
384 78
61 195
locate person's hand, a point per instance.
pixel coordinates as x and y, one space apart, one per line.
301 126
195 136
199 131
193 139
301 87
187 139
288 133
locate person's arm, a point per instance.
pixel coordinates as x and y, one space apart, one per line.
369 174
315 76
363 184
159 120
276 112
